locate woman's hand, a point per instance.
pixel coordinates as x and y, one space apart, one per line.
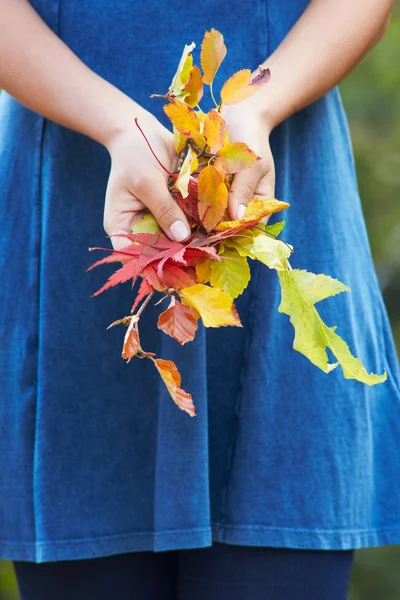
138 181
247 124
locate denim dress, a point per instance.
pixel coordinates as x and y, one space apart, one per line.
95 458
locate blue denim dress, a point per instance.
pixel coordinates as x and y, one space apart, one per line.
95 458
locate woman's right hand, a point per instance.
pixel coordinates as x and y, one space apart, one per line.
138 181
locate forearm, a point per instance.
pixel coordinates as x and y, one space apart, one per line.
40 71
325 44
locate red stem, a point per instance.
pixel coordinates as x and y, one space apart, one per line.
151 149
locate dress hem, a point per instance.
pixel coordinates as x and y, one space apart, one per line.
242 535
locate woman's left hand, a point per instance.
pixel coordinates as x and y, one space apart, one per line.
247 124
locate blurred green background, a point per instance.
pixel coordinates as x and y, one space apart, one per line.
372 98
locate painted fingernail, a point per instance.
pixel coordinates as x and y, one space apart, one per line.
179 230
240 211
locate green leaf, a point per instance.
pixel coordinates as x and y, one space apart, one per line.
271 252
315 288
231 274
274 229
312 335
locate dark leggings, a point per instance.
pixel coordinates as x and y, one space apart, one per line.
218 572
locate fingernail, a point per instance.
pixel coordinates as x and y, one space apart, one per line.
240 211
179 230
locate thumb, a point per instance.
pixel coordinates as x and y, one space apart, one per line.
242 191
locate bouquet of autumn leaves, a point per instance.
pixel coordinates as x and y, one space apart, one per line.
203 276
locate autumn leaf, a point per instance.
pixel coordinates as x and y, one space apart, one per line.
236 157
183 117
315 288
271 252
146 224
180 141
239 87
312 335
214 130
182 74
131 340
194 88
231 274
203 270
213 52
189 165
145 289
177 277
213 197
275 228
172 380
179 321
214 305
255 211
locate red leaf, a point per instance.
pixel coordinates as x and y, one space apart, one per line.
179 321
177 277
144 289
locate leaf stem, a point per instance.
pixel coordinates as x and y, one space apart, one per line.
212 94
151 149
144 304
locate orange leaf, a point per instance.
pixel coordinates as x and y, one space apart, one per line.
214 130
213 197
172 380
194 87
183 118
256 210
239 87
131 340
178 277
236 157
213 52
179 321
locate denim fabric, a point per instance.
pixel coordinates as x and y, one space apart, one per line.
218 572
95 458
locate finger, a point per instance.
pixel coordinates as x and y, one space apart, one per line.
266 190
242 191
155 195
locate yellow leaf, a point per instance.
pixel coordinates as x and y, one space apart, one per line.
255 211
182 74
214 130
238 87
231 274
213 197
179 141
213 52
194 88
215 307
183 118
273 253
147 224
203 270
236 157
183 178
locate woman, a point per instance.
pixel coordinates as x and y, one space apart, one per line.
285 470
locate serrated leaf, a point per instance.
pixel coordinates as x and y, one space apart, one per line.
243 241
193 90
213 197
231 274
145 289
240 86
183 118
214 305
146 224
183 71
271 252
315 288
213 52
214 130
172 380
313 336
179 321
255 211
177 277
236 157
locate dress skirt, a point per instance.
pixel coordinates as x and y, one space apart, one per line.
95 458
